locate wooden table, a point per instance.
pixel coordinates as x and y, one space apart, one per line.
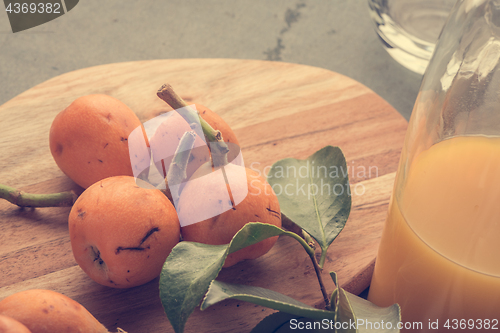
276 109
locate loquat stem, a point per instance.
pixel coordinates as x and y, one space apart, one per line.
214 138
23 199
169 96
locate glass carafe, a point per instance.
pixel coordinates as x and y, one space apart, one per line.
439 256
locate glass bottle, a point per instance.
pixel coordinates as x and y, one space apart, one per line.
439 256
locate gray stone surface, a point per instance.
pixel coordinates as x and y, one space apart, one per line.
332 34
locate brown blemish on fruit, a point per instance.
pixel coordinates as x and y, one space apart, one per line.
97 256
106 145
108 117
81 213
273 212
100 160
59 149
123 139
139 248
149 233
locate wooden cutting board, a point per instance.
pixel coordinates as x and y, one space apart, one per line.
277 110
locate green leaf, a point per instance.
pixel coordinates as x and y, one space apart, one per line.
185 278
253 233
367 316
191 267
314 193
357 315
220 291
281 322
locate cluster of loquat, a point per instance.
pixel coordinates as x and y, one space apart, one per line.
121 228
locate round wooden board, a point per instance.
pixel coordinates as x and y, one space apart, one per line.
277 110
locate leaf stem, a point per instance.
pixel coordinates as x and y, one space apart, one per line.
309 240
323 257
23 199
317 269
293 227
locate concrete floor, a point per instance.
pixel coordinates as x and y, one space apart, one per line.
332 34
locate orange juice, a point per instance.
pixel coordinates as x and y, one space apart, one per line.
439 255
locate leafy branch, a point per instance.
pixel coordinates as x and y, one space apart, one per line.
190 271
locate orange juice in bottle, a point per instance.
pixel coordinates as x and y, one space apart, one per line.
439 256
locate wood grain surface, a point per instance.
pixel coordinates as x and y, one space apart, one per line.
276 109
